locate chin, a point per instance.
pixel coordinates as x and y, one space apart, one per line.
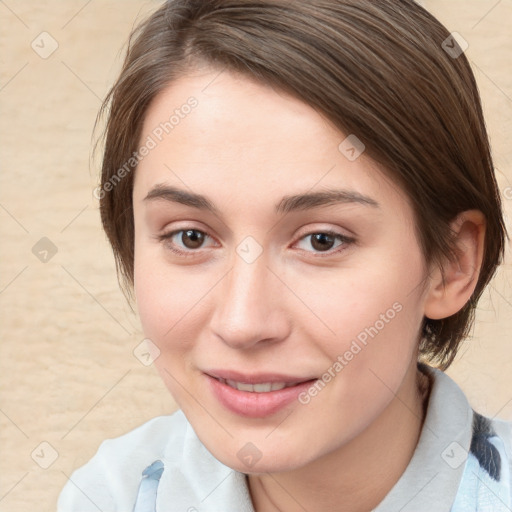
254 457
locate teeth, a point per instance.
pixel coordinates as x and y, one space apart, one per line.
243 387
255 388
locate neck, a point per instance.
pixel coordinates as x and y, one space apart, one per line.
357 476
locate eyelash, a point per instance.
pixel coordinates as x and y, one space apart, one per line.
345 241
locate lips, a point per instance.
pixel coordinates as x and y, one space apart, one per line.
257 395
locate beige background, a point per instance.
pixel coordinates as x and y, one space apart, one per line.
68 373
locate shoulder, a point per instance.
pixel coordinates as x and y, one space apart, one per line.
110 480
504 430
150 439
476 450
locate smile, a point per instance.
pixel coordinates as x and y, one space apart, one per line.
265 394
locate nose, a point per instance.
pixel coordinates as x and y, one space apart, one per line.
250 306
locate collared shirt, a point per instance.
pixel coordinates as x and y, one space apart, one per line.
462 463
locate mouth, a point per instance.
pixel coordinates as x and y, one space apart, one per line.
256 396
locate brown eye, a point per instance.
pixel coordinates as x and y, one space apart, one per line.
322 241
192 238
186 241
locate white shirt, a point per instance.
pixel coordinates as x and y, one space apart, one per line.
194 481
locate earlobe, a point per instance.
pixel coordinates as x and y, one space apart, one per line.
452 286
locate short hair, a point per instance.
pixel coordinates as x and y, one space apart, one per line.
387 71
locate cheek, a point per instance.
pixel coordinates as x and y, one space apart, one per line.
168 318
152 295
376 324
367 302
162 300
171 301
373 316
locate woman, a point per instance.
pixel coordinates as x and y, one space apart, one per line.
301 196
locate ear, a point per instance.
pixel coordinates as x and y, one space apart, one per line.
452 285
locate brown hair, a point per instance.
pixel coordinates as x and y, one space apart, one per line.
376 69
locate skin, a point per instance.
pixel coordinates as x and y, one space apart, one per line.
296 308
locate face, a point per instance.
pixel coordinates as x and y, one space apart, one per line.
277 274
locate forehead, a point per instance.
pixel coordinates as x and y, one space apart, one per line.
242 136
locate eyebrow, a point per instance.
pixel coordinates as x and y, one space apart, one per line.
304 201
